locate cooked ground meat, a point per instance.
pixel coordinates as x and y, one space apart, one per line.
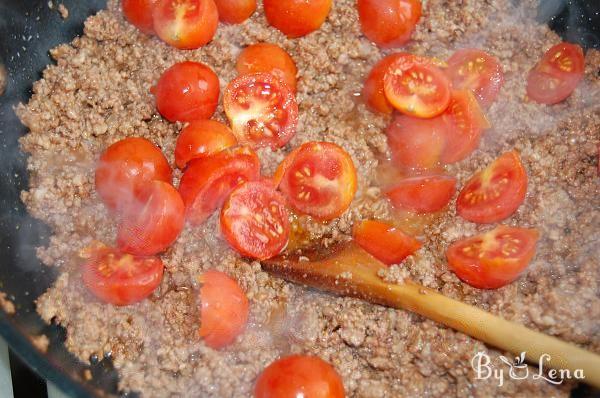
99 92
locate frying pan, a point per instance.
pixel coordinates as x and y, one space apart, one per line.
28 29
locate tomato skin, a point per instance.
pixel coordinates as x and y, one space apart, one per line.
202 138
373 91
389 23
255 220
493 259
268 58
187 91
423 194
207 182
235 11
296 18
127 165
185 24
494 193
118 278
384 242
224 309
299 376
139 14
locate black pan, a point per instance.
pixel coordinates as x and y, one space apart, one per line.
28 29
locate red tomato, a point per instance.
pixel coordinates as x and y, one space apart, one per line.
187 91
557 75
262 110
224 309
153 222
127 165
200 139
318 179
296 18
423 194
495 193
389 23
268 58
416 87
384 242
299 376
235 11
373 91
118 278
478 71
493 259
186 24
254 220
139 13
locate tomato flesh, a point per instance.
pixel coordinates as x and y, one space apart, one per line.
296 18
254 220
118 278
423 194
208 181
200 139
139 14
384 242
235 11
493 259
299 376
224 309
262 110
494 193
389 23
268 58
186 24
318 179
373 91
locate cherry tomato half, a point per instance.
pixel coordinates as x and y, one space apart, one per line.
254 220
139 13
186 24
268 58
187 91
417 87
299 376
224 309
262 110
118 278
127 165
296 18
235 11
208 181
557 74
202 138
384 242
493 259
318 179
389 23
423 194
494 193
373 91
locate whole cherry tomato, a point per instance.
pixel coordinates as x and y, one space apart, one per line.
297 18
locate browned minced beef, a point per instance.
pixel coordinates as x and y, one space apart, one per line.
99 92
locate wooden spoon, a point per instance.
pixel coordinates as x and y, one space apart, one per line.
350 271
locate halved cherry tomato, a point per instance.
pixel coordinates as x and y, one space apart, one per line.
262 110
139 13
416 143
318 179
389 23
254 220
118 278
296 18
186 24
153 222
384 242
235 11
493 259
478 71
187 91
268 58
416 87
423 194
127 165
494 193
557 74
373 91
208 181
200 139
224 309
299 376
